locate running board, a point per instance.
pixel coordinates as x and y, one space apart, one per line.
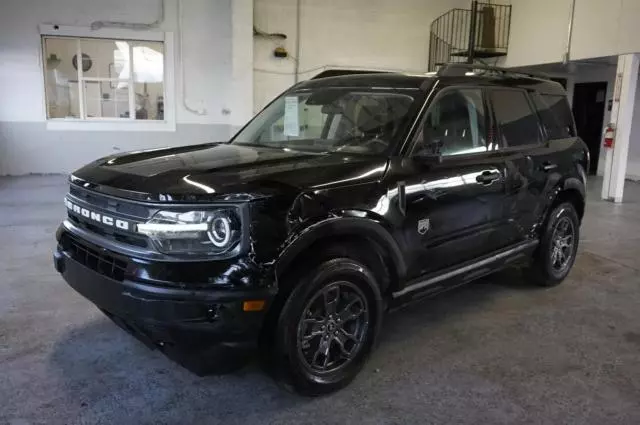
472 271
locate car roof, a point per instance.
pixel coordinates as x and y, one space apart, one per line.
377 79
425 81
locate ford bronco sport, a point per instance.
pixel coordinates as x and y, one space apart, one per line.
345 197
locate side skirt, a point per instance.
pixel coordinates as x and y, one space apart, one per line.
462 273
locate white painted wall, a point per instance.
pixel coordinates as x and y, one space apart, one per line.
600 28
207 45
371 34
241 92
217 48
633 158
595 29
605 27
538 32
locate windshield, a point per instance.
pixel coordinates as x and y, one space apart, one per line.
331 119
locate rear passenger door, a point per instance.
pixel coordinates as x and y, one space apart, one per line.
530 161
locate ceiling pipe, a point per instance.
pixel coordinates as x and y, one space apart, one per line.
567 52
185 102
296 72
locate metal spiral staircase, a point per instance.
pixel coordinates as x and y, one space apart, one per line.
469 35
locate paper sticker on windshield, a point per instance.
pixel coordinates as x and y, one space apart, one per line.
291 124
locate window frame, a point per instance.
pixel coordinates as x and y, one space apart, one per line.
432 100
543 141
111 123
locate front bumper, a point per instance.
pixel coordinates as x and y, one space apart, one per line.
205 330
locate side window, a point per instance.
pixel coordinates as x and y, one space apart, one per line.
454 125
517 121
555 115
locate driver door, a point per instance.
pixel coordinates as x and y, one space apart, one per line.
454 205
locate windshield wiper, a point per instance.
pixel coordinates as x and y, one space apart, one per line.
257 145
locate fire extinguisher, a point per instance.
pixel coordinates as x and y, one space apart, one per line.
609 135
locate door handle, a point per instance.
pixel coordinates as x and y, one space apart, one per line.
548 166
488 177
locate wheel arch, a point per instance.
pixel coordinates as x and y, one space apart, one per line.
349 230
344 231
570 190
573 191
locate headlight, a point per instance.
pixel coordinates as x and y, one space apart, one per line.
194 232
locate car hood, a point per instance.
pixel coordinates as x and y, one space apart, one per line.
223 171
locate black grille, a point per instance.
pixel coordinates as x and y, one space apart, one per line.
113 205
97 260
110 233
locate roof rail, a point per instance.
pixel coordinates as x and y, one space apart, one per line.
339 72
461 69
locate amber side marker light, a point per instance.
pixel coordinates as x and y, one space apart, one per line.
256 305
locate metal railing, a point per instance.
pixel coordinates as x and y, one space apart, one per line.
463 35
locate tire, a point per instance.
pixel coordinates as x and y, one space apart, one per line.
553 259
336 304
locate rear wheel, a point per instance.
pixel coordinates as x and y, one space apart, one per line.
327 327
556 253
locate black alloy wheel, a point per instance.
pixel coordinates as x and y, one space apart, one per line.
558 247
328 325
333 327
562 245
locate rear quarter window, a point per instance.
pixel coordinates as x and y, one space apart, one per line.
555 115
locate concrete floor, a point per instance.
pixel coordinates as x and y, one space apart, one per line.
493 352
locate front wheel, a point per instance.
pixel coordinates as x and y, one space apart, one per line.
556 253
328 327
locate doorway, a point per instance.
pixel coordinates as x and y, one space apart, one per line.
589 101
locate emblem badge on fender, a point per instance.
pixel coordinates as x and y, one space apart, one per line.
423 226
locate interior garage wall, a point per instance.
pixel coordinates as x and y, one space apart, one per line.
591 73
605 27
600 28
633 159
216 79
538 32
371 34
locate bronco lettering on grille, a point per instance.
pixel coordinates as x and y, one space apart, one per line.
97 217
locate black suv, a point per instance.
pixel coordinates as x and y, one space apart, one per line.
344 198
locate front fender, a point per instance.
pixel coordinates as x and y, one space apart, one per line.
341 226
